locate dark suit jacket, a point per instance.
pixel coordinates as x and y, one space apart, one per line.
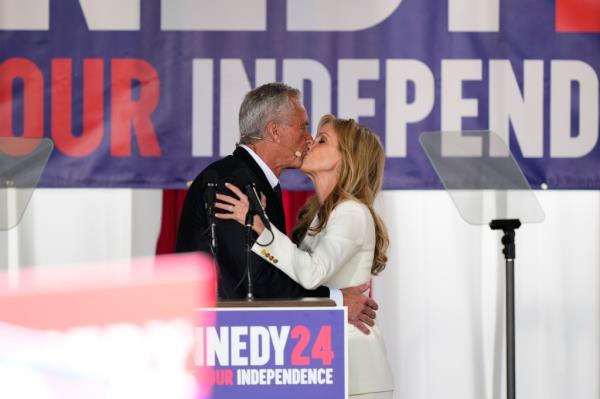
268 281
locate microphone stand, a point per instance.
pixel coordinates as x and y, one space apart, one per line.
209 204
213 238
213 251
249 222
254 208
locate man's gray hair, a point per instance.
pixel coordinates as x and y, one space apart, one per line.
262 105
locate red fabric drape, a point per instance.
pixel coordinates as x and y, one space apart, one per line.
173 202
292 202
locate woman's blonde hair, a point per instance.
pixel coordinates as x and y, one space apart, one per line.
360 179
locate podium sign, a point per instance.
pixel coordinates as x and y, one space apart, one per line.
272 352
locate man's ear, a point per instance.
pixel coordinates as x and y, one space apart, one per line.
272 130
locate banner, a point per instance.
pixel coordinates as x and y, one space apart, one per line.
146 93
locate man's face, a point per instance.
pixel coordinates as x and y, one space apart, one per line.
294 134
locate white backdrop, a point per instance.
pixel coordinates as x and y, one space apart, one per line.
441 296
442 300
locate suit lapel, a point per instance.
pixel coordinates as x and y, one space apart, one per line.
274 209
279 203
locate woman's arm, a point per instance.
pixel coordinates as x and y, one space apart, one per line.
338 242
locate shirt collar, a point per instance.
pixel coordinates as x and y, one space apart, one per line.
273 180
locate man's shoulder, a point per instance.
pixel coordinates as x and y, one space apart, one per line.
232 168
224 165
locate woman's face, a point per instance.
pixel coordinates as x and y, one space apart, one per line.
323 153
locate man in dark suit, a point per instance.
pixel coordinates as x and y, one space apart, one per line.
274 136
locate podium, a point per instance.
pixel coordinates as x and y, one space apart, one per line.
292 348
276 303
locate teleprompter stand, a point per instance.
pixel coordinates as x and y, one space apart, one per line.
487 187
22 161
508 226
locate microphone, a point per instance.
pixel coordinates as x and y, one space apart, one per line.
210 193
296 153
255 205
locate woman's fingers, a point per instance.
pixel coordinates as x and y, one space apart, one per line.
225 206
236 207
237 192
234 212
227 199
225 216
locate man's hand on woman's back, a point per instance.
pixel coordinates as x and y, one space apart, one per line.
361 309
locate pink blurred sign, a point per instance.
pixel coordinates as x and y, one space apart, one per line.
117 330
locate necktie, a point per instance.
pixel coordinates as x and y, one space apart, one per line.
277 190
279 208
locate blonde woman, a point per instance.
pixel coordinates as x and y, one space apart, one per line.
340 240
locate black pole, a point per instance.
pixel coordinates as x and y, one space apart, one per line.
249 222
509 226
510 329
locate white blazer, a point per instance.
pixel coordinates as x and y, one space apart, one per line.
339 256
